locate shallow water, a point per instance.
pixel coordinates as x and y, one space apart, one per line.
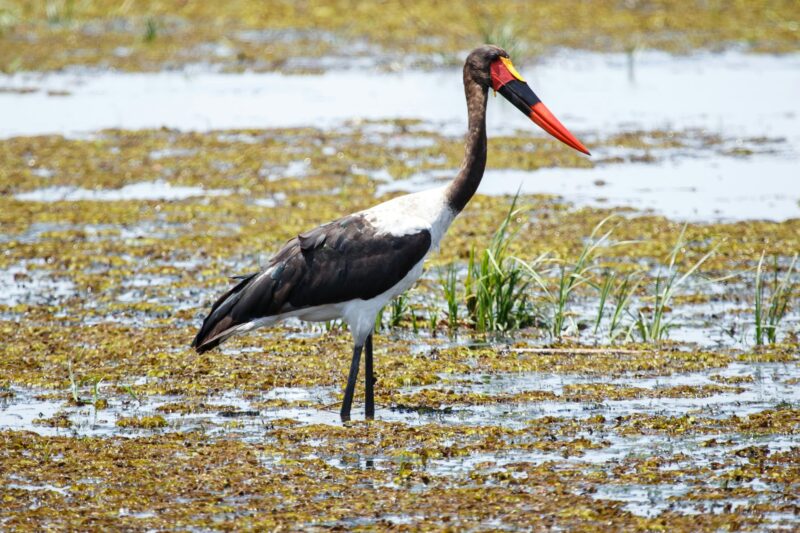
771 384
230 415
698 183
696 189
26 283
642 500
152 190
588 91
593 94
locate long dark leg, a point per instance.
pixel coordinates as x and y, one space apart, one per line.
369 382
351 384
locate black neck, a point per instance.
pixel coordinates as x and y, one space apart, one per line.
463 187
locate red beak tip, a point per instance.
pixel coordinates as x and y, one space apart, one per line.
549 123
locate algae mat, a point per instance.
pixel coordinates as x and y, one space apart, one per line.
114 243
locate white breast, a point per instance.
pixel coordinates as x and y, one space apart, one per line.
411 213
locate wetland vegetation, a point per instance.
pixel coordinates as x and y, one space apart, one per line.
307 36
561 364
501 378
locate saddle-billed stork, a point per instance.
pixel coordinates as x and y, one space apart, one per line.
350 268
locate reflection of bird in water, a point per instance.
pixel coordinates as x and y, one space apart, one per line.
350 268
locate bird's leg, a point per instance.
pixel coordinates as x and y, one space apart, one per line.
351 384
369 382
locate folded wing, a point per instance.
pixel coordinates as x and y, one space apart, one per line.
344 260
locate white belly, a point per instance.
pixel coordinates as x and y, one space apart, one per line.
360 314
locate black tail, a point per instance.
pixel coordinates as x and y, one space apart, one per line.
217 325
255 296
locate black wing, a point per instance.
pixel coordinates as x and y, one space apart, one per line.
340 261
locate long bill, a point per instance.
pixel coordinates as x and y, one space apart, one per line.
508 82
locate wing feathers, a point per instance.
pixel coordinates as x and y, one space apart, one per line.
341 261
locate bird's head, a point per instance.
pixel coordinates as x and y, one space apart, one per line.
490 67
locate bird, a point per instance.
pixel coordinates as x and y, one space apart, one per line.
350 268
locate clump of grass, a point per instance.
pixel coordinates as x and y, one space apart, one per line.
605 290
74 390
398 309
59 11
73 385
623 295
769 313
433 320
97 401
496 286
132 394
449 287
414 320
651 323
150 30
507 33
570 277
401 313
620 291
